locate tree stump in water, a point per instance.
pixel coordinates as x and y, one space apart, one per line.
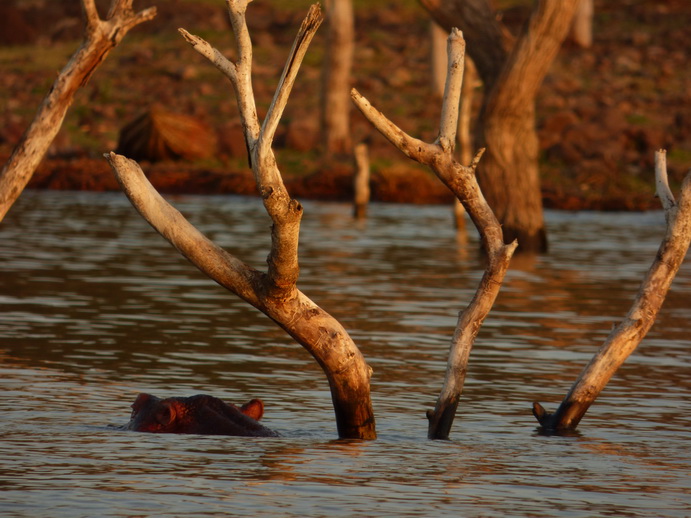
159 134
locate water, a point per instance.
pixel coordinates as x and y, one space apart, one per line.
95 307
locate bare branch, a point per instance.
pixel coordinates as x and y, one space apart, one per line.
230 272
297 53
236 12
122 17
625 337
240 75
409 146
452 90
662 183
477 157
91 17
226 66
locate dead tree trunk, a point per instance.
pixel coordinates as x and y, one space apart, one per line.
439 156
273 292
509 171
100 37
338 63
624 338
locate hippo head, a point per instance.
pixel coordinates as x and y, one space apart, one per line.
200 414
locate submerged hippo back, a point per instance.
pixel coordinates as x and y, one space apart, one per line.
200 414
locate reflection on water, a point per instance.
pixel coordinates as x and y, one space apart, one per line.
95 307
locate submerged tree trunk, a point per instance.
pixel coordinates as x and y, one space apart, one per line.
461 180
101 36
274 292
508 174
625 337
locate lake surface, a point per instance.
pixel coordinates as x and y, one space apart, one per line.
95 307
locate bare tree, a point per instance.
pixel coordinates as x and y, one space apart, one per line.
508 174
273 292
625 337
439 156
100 37
338 63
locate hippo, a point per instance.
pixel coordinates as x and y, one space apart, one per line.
200 414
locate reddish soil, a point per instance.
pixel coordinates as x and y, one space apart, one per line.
602 112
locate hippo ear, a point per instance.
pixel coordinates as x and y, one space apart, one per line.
253 409
166 414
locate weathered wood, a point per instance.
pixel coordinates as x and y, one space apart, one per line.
100 37
465 140
438 59
274 292
626 336
461 180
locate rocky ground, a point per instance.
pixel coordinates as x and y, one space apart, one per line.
602 112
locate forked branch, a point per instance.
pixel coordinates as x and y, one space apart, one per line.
625 337
275 292
100 37
462 182
284 212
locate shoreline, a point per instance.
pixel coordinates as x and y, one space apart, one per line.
395 184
